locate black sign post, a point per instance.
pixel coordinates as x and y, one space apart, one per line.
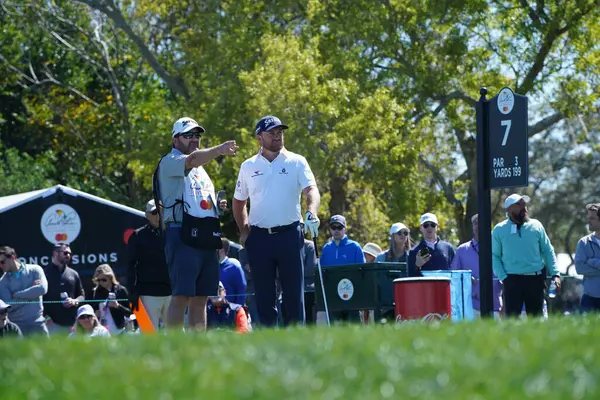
502 162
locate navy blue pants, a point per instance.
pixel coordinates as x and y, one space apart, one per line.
272 254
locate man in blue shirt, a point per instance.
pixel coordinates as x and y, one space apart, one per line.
341 251
232 276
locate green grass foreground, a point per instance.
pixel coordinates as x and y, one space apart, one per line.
557 359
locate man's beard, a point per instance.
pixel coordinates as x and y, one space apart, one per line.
520 217
274 146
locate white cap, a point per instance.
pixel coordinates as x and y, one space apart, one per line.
4 306
514 199
150 206
397 227
428 217
185 124
85 309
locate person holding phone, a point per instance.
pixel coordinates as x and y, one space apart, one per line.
431 253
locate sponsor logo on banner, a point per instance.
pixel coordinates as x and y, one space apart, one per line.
60 223
345 289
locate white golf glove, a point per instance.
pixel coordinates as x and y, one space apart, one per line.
311 223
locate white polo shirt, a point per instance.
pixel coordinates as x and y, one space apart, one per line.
274 188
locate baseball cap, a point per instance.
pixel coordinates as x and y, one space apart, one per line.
185 124
339 219
428 217
267 123
85 309
4 306
150 206
372 249
514 199
397 227
474 217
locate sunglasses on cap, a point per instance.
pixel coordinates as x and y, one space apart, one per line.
189 135
336 227
429 225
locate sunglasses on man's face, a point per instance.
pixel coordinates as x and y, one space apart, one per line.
66 253
155 212
336 227
429 225
189 135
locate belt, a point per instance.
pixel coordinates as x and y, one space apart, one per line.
275 229
531 273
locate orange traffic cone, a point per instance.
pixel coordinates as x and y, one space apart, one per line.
142 318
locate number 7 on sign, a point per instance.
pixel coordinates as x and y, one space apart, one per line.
507 123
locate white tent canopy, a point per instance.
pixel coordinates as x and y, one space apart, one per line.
15 200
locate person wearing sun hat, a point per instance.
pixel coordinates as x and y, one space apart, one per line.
522 255
431 253
371 251
87 323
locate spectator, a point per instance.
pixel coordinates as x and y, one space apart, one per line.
520 249
340 250
431 254
113 311
87 324
131 326
223 314
309 261
371 251
232 275
467 258
62 279
587 261
148 274
22 283
400 245
7 328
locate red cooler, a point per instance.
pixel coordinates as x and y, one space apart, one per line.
422 298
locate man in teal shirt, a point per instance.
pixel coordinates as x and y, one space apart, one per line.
520 251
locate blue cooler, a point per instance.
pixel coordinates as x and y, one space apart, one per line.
460 293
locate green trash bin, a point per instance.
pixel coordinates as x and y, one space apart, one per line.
356 287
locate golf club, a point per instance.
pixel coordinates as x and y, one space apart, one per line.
321 279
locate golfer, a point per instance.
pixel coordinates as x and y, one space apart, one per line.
273 180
